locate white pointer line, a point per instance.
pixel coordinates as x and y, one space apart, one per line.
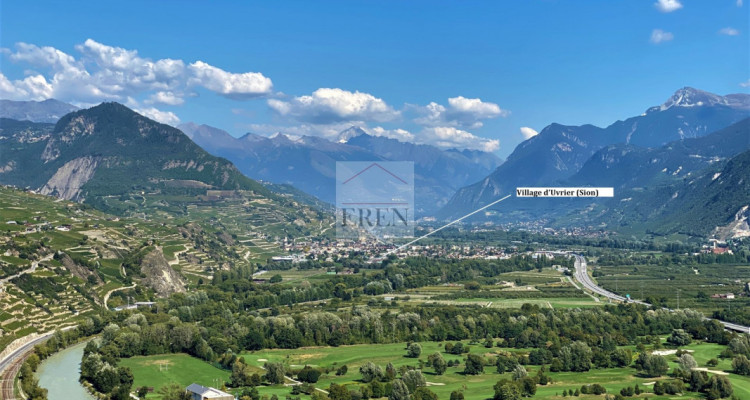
446 225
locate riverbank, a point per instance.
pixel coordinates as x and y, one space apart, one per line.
60 374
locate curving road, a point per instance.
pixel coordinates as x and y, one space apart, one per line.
582 276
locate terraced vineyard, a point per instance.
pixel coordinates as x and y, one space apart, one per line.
59 260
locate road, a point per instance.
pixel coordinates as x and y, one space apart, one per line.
34 265
582 276
106 296
12 364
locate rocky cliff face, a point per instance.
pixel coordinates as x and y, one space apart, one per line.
159 274
76 269
66 183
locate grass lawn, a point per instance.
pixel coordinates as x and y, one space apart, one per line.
475 387
183 369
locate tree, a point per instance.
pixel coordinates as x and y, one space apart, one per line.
276 279
506 390
414 379
342 370
651 365
719 386
142 392
679 338
423 393
741 365
438 363
581 356
474 365
519 372
687 362
399 391
414 350
697 380
308 374
390 371
621 358
371 372
338 392
528 386
541 376
457 395
275 373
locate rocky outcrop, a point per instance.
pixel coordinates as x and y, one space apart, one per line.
77 269
159 275
66 183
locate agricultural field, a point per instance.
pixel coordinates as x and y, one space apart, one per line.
693 284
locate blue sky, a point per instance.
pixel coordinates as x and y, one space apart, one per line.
466 74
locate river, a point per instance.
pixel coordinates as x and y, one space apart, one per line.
60 372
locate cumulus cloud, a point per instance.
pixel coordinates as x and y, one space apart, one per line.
168 98
104 72
399 134
729 31
461 112
238 86
34 87
447 137
528 133
658 36
165 117
743 84
668 5
331 105
739 3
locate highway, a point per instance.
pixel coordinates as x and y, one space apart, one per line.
582 276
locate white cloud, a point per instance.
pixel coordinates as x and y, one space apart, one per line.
238 86
668 5
168 98
105 72
739 3
658 36
528 133
165 117
745 84
447 137
34 87
399 134
331 105
461 112
729 31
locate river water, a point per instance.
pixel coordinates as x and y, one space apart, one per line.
60 372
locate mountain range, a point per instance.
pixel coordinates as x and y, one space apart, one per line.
559 152
49 110
109 150
309 162
666 165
